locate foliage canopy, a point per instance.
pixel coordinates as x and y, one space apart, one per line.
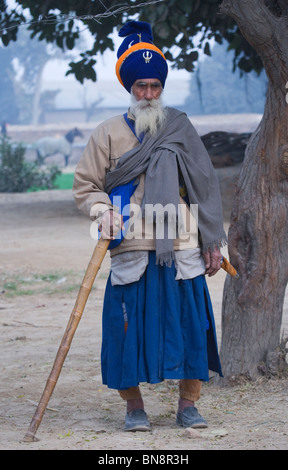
181 28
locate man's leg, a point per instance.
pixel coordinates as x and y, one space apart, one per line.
136 418
187 414
189 392
133 398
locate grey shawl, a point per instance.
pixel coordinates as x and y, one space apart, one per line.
176 146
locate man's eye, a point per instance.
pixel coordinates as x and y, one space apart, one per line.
145 85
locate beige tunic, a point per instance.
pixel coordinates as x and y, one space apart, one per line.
109 141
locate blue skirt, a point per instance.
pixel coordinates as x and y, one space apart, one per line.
158 328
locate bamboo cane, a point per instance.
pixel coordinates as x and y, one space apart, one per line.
75 317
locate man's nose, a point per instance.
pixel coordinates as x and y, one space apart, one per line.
148 93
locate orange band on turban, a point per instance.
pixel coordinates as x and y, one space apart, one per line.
137 47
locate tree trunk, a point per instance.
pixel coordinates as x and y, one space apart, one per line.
258 235
36 108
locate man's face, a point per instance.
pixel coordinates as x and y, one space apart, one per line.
147 106
147 88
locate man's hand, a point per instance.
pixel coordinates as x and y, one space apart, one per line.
212 260
111 223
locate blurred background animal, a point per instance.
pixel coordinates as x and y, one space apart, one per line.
48 146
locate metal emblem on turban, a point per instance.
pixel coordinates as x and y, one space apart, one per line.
147 55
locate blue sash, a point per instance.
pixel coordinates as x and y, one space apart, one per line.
122 194
131 124
120 197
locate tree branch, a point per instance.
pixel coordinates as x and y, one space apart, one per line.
254 19
266 33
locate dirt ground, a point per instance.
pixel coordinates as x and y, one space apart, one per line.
44 251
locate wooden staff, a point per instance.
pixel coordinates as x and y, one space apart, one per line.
83 294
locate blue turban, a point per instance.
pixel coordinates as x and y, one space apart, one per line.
138 57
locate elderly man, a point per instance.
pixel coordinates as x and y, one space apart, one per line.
147 180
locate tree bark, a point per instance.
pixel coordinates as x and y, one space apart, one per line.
36 109
258 234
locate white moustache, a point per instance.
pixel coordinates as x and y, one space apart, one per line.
149 115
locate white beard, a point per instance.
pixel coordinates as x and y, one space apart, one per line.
149 115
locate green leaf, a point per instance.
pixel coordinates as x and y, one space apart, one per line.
207 49
5 39
70 42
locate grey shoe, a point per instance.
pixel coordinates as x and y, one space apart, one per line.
190 418
136 420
